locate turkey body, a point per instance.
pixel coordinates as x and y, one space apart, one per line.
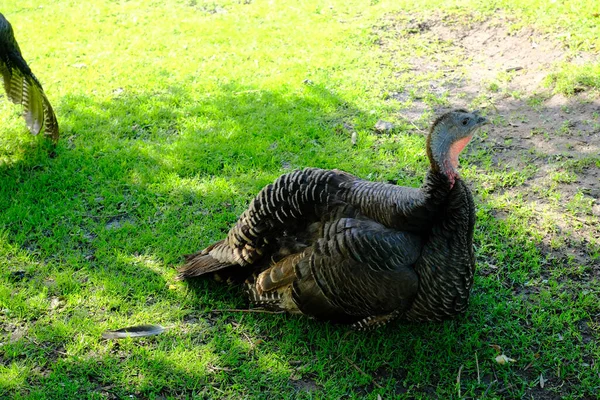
22 87
335 247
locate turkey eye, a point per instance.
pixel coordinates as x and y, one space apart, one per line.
465 121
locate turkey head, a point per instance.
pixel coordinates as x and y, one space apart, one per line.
448 136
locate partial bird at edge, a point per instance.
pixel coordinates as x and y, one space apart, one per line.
22 87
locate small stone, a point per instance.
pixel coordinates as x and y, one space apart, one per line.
54 303
384 127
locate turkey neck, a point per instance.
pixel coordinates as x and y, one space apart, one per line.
438 145
399 207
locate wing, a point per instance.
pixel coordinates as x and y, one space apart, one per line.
357 269
399 207
290 204
22 87
297 199
290 208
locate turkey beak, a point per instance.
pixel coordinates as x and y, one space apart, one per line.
480 120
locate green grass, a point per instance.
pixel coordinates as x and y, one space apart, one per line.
569 79
173 115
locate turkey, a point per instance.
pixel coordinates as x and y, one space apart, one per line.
329 245
22 87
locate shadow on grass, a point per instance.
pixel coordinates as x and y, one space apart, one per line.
137 181
145 177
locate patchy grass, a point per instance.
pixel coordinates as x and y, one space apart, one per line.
174 114
570 79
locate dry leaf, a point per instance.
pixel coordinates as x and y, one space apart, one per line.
542 381
496 347
503 359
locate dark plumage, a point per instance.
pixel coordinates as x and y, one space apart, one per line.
22 87
332 246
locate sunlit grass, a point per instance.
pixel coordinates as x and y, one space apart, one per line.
173 115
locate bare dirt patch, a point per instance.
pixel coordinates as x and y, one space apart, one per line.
550 139
537 164
304 385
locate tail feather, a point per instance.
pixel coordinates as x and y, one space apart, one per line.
279 274
279 299
33 108
50 122
258 297
199 264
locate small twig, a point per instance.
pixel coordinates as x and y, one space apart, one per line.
494 371
217 389
583 221
506 388
248 339
488 388
477 364
416 127
458 380
489 37
250 310
214 368
107 217
509 147
514 69
580 140
48 348
343 339
363 372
